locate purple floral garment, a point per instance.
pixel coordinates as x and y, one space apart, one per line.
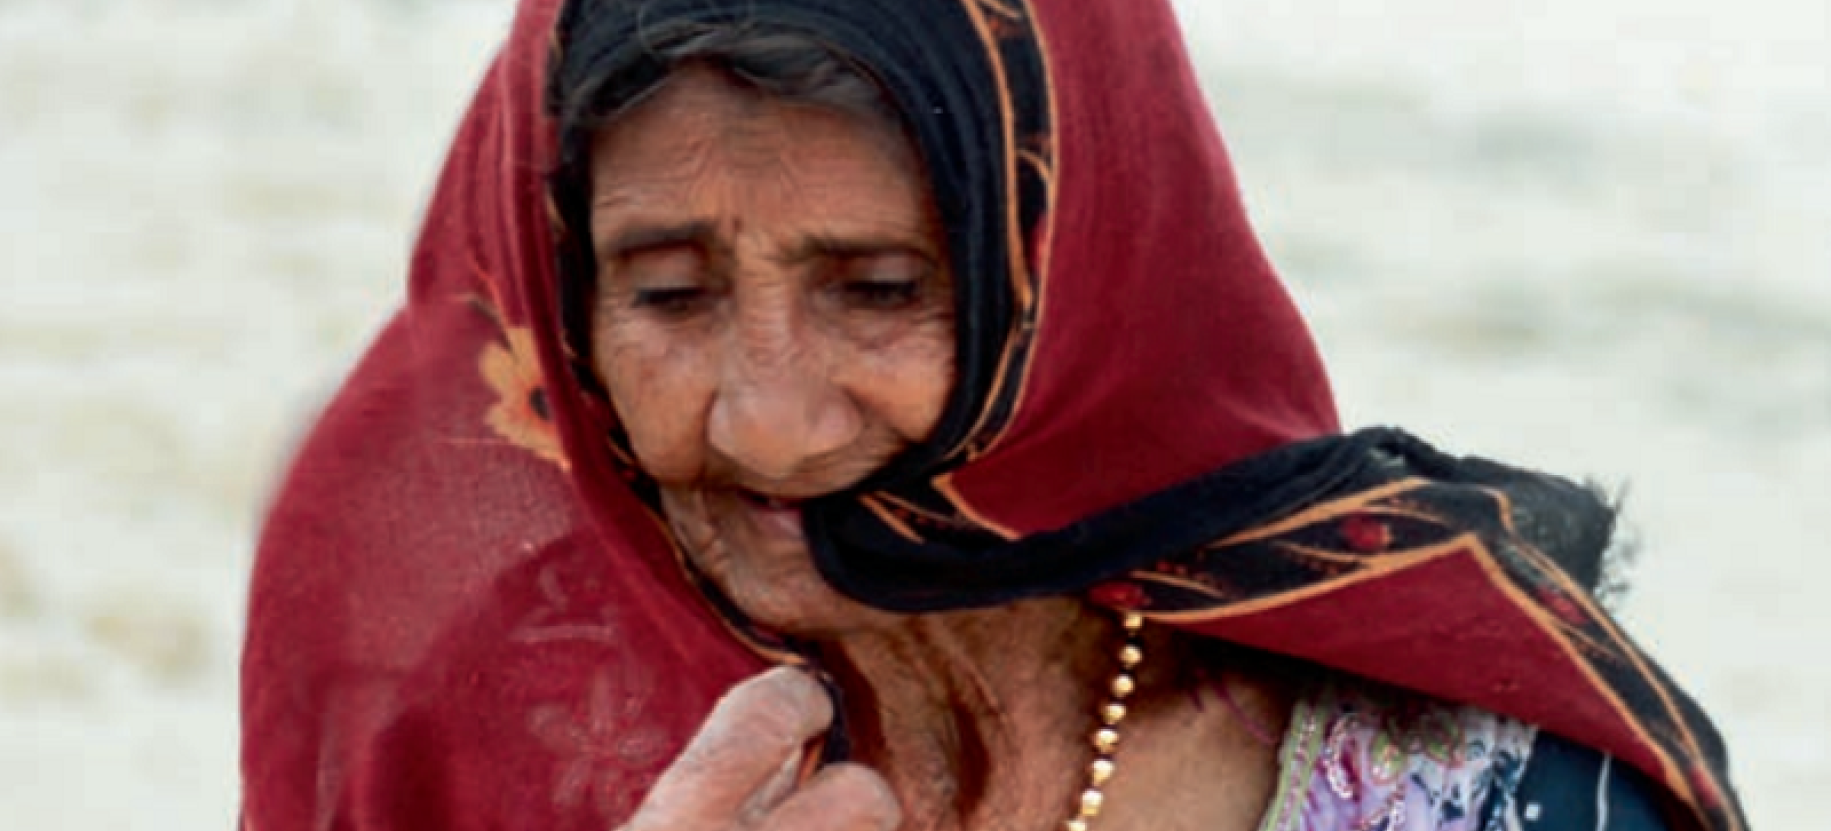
1359 757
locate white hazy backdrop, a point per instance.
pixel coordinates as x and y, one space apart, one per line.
1585 235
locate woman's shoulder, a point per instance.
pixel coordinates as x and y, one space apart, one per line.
1363 756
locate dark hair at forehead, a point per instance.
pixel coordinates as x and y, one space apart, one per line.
594 79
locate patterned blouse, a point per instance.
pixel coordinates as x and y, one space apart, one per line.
1361 757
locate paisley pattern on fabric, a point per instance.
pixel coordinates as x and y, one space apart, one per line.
1368 758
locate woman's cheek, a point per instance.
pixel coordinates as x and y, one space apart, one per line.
920 375
657 394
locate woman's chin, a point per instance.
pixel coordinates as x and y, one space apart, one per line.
758 557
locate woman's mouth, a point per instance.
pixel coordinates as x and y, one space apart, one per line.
768 502
774 516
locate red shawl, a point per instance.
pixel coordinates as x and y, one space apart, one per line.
464 617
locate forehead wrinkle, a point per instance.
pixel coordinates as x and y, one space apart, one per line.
711 156
682 163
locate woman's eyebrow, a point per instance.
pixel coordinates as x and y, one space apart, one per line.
634 238
863 245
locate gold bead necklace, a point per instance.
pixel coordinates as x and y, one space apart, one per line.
1106 736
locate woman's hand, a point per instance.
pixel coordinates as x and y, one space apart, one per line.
742 770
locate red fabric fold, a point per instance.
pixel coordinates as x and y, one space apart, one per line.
1166 345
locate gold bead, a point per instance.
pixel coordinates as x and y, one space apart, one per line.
1106 739
1131 656
1101 771
1091 800
1133 621
1112 713
1076 824
1123 685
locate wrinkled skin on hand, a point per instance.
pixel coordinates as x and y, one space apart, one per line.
743 770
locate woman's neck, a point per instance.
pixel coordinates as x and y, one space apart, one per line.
981 721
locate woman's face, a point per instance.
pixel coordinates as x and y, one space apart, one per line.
774 321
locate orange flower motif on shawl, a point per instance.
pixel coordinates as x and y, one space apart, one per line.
520 413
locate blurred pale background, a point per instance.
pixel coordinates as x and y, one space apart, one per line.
1587 235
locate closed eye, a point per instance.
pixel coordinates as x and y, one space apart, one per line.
884 281
670 300
883 294
668 279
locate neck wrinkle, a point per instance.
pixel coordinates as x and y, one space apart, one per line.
978 719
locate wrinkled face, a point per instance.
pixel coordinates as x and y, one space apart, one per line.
773 321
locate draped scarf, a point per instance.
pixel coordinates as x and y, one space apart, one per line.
467 613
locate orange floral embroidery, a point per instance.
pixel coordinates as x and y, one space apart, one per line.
520 413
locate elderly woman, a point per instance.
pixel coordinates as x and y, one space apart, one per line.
921 348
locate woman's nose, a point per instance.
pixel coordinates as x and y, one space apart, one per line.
778 409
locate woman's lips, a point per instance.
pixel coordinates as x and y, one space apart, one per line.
774 516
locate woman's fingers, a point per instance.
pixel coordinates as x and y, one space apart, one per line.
773 790
841 797
744 758
740 771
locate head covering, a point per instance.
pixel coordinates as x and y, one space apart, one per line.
466 614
